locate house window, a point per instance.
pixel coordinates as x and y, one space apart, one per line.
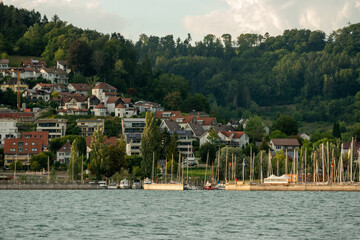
26 144
34 149
278 147
12 149
14 143
33 144
20 149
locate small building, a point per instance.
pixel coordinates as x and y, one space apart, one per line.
78 101
55 127
4 64
34 63
55 75
8 130
206 122
146 106
42 135
288 145
167 114
275 180
63 65
89 126
21 150
34 95
182 120
111 103
100 110
234 138
132 129
43 86
64 153
93 101
102 90
81 88
12 84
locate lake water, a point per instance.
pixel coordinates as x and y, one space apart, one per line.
138 214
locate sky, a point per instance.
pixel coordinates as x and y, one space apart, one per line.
198 17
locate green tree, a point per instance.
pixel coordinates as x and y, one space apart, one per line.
99 155
213 137
39 161
277 134
286 124
173 100
150 144
19 165
75 167
117 158
255 128
336 130
205 149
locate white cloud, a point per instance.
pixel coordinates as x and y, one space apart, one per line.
87 14
274 16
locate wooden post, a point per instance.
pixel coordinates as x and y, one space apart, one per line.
286 161
351 159
294 165
323 162
72 170
269 172
218 168
48 167
328 161
232 167
182 170
243 171
15 168
261 170
250 164
82 169
277 166
207 160
172 167
226 162
166 172
152 173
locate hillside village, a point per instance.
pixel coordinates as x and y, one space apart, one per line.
89 107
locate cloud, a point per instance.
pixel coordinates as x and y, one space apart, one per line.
87 14
274 16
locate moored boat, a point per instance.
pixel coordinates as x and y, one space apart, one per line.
124 184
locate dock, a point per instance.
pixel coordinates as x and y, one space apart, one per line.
294 187
164 186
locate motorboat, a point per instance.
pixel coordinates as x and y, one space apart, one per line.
136 184
124 184
113 185
147 181
209 186
190 187
102 184
220 186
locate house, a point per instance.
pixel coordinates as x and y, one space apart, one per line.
8 130
59 88
206 122
42 135
288 145
4 64
196 129
55 75
21 150
12 84
82 88
182 120
111 103
100 110
128 102
89 126
103 91
33 63
305 136
55 127
93 101
199 114
108 141
185 137
123 112
63 65
32 95
43 86
64 153
234 138
20 117
77 101
25 73
132 129
144 106
166 114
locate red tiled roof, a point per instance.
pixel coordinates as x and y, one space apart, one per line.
226 133
285 142
108 141
112 99
65 148
27 146
126 100
110 94
16 115
159 114
184 119
100 105
105 86
206 120
44 84
81 86
238 134
120 106
4 61
34 63
79 98
80 110
42 135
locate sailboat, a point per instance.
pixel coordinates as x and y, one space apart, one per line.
218 186
208 185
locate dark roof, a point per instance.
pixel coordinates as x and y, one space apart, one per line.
197 129
172 126
285 142
112 99
102 85
66 147
81 86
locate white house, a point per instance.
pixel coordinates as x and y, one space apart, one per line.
145 106
63 65
111 103
4 64
36 95
55 75
288 145
103 91
8 130
64 153
100 110
234 138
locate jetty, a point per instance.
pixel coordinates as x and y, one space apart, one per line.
164 186
294 187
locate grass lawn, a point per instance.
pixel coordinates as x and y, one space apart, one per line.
198 173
